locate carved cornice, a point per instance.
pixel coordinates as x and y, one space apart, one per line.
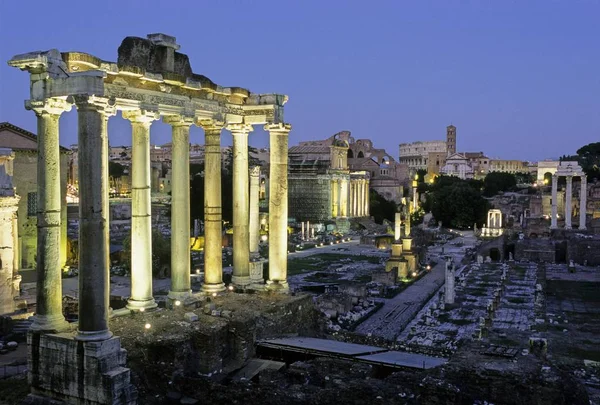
280 128
142 116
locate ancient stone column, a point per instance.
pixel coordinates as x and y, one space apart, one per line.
449 292
9 203
49 316
241 205
278 206
344 198
568 199
334 198
397 225
94 279
352 198
213 228
362 198
582 202
141 210
180 207
254 221
554 212
366 198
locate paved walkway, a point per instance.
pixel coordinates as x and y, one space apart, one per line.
397 312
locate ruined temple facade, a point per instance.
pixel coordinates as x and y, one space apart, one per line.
321 185
149 81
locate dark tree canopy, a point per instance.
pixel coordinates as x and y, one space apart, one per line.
115 170
380 208
496 182
457 203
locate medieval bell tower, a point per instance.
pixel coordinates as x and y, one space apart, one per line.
451 139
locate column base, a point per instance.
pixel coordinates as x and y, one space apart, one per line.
179 295
95 336
256 272
213 288
145 305
277 286
63 370
50 323
568 227
240 281
582 228
553 227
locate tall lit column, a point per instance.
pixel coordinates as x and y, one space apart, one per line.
366 197
94 278
278 206
241 205
49 315
554 211
141 210
361 198
180 207
334 198
568 199
213 228
254 220
344 199
352 198
582 202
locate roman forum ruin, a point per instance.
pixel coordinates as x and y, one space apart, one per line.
149 81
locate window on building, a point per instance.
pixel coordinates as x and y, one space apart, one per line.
31 204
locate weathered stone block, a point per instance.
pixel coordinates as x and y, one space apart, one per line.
78 372
190 317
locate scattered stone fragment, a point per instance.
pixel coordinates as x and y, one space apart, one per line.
190 317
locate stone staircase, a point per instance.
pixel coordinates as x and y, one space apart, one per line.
20 328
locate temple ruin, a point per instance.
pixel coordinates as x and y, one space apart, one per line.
150 80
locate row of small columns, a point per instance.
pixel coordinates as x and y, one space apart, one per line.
94 287
568 202
357 195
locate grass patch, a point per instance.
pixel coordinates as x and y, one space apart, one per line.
460 322
581 290
582 353
300 265
516 300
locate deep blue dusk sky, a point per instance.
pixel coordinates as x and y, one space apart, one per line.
519 79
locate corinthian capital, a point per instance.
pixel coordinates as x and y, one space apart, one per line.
53 106
281 128
210 126
239 128
179 120
141 116
104 105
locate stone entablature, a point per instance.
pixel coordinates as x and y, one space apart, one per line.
170 89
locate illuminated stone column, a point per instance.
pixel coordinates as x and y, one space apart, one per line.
366 198
241 205
582 202
213 228
278 206
352 198
344 198
49 316
397 225
568 200
334 198
180 207
361 198
554 212
141 210
94 278
254 221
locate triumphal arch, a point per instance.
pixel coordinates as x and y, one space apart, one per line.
151 80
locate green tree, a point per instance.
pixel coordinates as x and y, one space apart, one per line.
496 182
115 170
588 157
458 205
380 208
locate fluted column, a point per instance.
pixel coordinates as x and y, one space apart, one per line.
278 206
361 199
180 207
554 210
141 210
213 228
94 277
49 316
352 199
254 220
344 199
366 198
334 198
241 205
582 202
568 200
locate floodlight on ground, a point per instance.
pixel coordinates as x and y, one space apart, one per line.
177 303
147 326
214 294
142 309
230 288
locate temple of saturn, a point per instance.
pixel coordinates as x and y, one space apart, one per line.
150 80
